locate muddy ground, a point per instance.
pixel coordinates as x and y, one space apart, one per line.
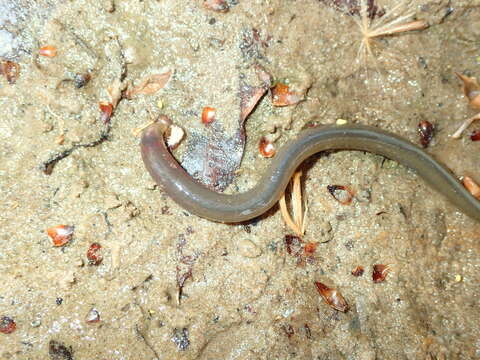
247 297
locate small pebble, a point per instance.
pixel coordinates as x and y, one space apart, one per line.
67 279
109 6
364 195
78 188
180 338
93 316
325 231
60 139
130 55
249 249
389 164
47 127
151 185
164 297
80 80
79 263
36 323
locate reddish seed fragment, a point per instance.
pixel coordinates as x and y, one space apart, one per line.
11 70
425 129
208 115
94 254
310 248
216 5
332 297
475 136
266 148
343 194
293 244
471 186
48 51
60 234
106 110
379 273
7 325
358 271
282 96
93 316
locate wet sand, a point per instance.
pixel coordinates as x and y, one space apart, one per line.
243 295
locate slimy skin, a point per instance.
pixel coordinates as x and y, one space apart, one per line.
199 200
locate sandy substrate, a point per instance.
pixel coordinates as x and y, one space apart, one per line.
247 297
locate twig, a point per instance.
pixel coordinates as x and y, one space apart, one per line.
47 166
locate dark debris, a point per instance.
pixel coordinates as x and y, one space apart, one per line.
58 351
48 165
180 338
352 7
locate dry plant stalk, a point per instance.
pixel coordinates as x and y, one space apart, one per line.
298 222
391 23
138 130
396 29
471 90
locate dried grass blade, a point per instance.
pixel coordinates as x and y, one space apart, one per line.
297 200
391 30
304 221
138 130
286 216
465 125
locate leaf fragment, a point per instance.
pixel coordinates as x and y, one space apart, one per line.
150 84
332 297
